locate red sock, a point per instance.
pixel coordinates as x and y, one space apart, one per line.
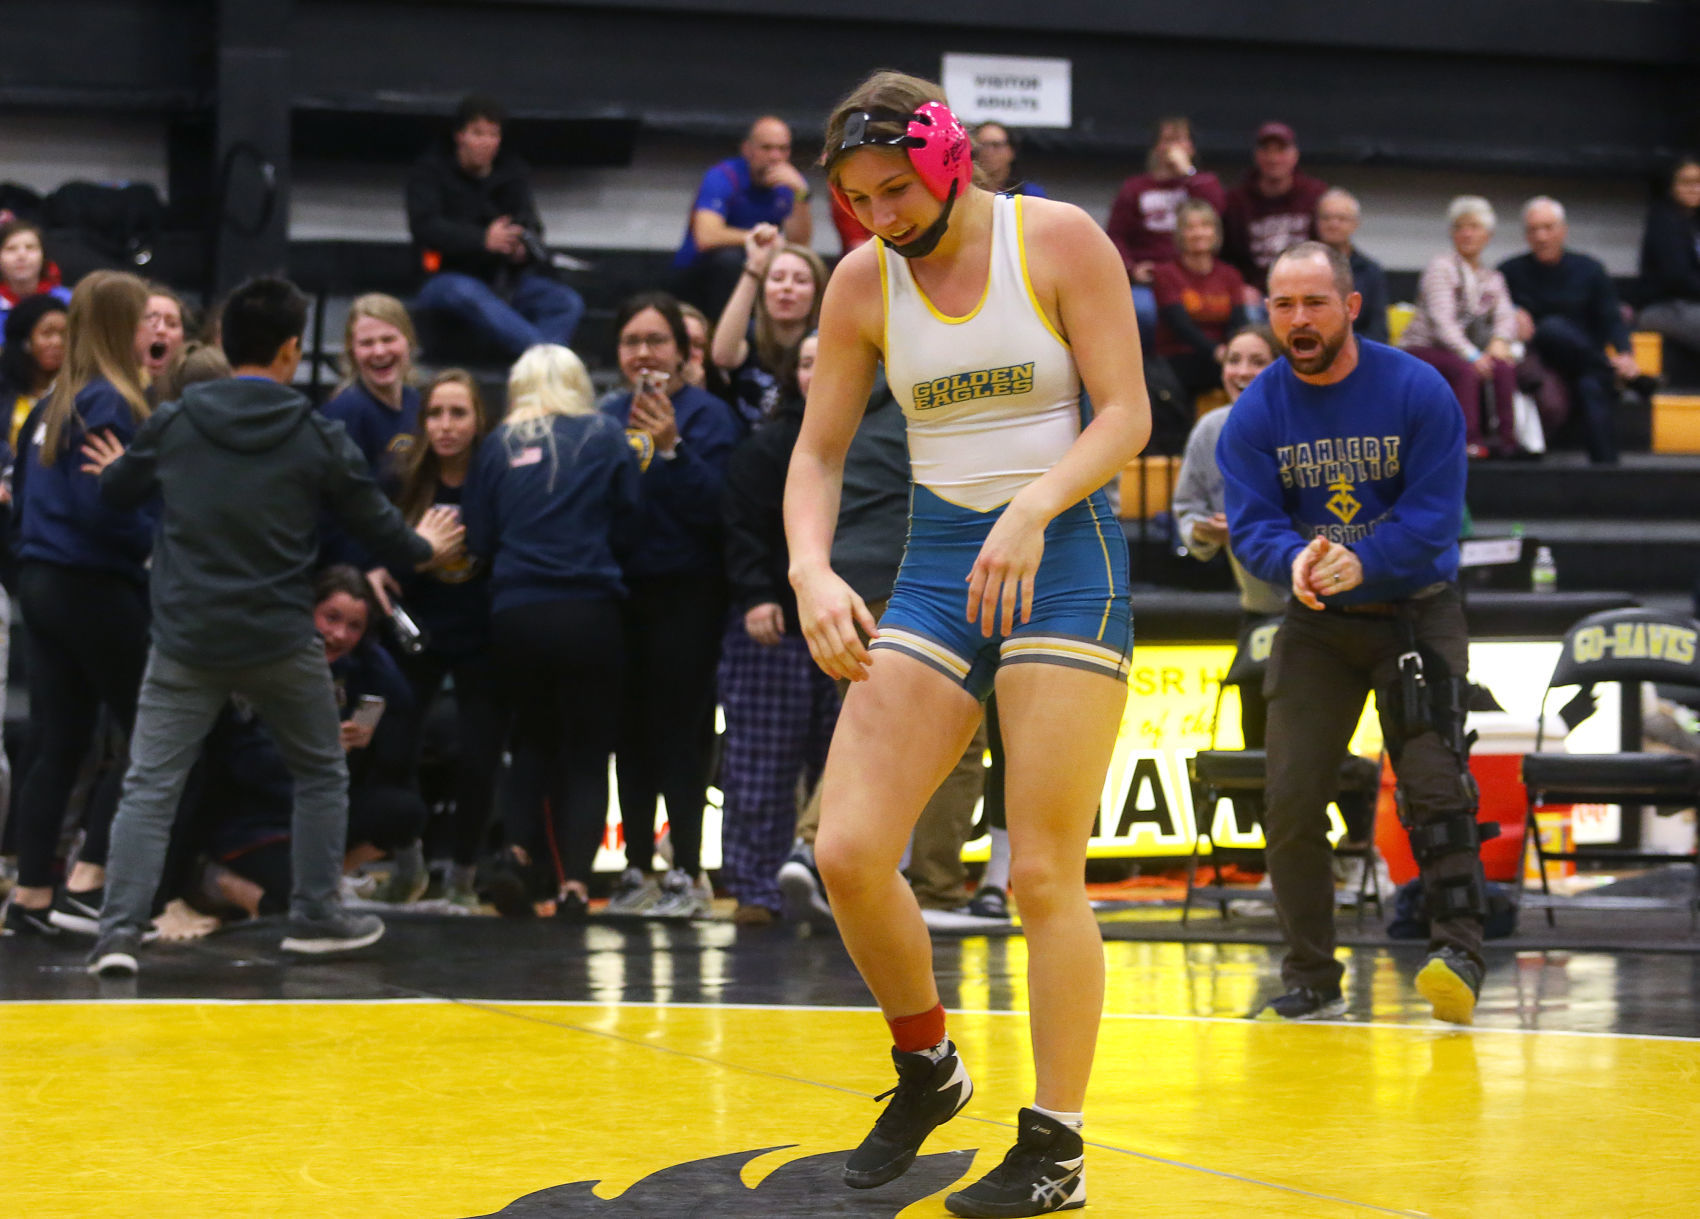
921 1032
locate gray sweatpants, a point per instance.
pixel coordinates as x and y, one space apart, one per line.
174 712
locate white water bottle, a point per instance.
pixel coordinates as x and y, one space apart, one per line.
1543 573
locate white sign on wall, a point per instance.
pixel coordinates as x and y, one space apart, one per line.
1010 89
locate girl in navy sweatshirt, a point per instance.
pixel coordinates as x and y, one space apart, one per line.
677 604
451 606
82 585
551 501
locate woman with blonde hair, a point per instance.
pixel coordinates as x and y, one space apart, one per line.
82 585
376 400
776 303
451 606
551 501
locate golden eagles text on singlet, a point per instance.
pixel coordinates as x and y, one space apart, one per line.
967 386
992 400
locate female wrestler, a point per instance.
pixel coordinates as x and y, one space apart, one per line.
987 311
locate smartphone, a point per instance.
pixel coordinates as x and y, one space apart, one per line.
368 712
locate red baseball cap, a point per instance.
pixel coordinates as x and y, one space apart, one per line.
1276 131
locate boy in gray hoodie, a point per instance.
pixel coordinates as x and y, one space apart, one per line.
244 467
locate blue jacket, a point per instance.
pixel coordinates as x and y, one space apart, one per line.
549 504
1375 462
64 520
681 498
451 603
382 434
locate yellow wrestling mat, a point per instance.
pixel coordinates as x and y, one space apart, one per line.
446 1110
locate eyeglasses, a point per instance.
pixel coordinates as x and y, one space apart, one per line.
638 342
993 144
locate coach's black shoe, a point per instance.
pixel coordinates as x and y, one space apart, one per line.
1450 981
928 1094
1044 1172
1304 1003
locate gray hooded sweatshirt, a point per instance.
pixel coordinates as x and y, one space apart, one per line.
245 466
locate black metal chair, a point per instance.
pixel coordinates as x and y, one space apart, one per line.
1625 648
1239 775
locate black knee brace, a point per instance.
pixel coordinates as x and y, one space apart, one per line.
1457 833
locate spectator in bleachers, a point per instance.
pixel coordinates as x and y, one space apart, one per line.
193 363
781 286
25 269
165 318
780 707
550 504
33 354
1337 216
479 236
1465 325
82 586
1670 260
386 815
867 548
377 401
676 608
996 149
758 186
699 369
451 605
1272 208
1200 506
1142 219
1200 300
1567 312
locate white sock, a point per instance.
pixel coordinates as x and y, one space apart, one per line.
1074 1121
941 1051
997 867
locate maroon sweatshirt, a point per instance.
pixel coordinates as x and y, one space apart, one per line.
1142 219
1257 227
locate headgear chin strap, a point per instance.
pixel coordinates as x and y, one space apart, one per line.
937 145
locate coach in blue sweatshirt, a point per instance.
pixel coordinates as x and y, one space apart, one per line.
1343 466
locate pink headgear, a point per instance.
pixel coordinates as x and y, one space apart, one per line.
935 139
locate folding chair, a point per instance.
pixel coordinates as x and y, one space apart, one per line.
1626 648
1239 775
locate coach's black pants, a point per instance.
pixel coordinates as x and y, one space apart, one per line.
1323 666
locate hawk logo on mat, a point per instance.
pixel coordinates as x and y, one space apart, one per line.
813 1185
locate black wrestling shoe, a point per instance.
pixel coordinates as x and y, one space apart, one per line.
928 1094
1450 981
78 912
1044 1172
1304 1003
